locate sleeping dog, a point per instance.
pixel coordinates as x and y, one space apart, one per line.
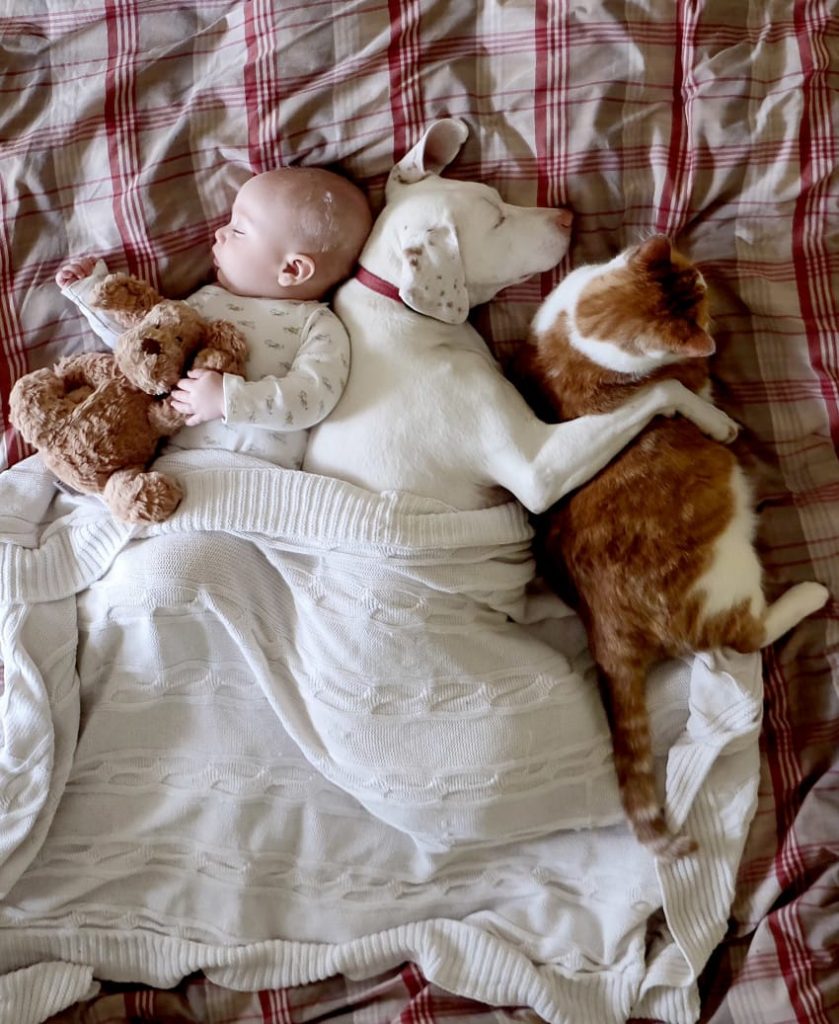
426 409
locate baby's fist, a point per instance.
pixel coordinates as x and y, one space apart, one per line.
199 397
75 270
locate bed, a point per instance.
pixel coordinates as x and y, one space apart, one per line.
124 129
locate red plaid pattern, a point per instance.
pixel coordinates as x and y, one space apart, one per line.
402 997
125 127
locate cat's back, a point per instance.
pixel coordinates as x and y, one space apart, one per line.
670 471
643 532
654 510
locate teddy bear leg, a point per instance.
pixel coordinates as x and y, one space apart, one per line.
135 496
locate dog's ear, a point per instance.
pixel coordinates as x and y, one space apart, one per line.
432 280
437 148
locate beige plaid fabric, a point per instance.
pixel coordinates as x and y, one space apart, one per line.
125 126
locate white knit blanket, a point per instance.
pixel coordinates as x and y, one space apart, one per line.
300 729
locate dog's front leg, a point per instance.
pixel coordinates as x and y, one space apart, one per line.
545 462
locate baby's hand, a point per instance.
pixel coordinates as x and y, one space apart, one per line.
199 397
75 270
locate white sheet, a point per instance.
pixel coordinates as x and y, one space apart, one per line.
312 739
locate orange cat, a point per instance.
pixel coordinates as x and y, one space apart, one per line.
658 547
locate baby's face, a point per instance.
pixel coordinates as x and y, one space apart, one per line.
293 233
250 248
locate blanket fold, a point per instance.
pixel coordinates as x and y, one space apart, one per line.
314 718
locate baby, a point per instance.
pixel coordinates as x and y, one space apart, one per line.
293 234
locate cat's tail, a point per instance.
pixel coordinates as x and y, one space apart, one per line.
624 693
791 607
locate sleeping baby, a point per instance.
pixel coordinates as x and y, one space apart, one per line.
293 234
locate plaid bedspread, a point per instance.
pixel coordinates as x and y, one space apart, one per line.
125 126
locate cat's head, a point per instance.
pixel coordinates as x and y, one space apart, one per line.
644 309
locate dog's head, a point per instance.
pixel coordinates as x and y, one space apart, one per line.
454 244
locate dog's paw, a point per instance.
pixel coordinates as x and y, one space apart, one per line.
676 398
720 426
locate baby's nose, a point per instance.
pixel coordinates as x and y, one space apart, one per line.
222 231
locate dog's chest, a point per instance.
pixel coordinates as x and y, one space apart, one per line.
400 422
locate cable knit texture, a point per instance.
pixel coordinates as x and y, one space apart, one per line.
301 729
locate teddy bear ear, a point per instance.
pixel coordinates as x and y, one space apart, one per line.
127 297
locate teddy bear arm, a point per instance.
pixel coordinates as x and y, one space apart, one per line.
36 402
164 418
225 349
92 368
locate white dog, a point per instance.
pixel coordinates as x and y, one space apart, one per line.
426 408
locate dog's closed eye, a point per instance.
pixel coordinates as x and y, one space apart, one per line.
499 212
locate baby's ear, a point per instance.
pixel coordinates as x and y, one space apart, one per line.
296 268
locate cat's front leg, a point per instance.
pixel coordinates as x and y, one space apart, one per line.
670 397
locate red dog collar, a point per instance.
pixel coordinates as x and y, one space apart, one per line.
377 284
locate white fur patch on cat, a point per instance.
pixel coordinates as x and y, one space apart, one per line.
734 574
564 299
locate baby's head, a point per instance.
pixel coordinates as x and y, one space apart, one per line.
293 233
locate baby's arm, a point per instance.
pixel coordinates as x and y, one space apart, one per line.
76 279
541 463
307 393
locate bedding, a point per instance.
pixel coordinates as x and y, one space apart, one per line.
227 812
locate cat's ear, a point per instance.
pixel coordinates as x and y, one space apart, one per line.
655 253
697 344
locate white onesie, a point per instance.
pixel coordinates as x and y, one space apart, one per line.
298 364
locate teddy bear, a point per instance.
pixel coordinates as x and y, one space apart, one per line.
97 419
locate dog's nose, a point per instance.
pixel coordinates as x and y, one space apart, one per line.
150 347
564 218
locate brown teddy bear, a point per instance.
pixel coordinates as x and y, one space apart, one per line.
97 419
